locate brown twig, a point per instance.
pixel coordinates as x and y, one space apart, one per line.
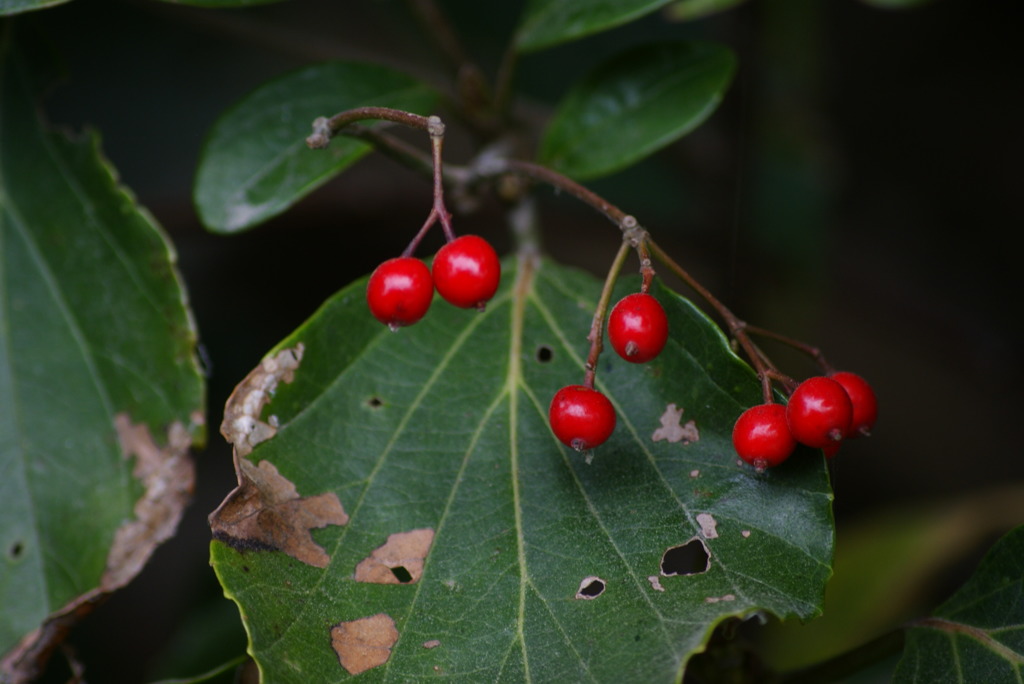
597 324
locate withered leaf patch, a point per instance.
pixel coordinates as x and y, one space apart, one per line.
168 476
265 512
364 643
242 426
399 560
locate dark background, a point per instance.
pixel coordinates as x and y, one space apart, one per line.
859 188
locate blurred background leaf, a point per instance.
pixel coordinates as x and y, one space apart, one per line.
256 163
634 104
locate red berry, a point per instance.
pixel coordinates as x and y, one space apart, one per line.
581 417
761 436
865 404
819 412
638 328
400 291
467 271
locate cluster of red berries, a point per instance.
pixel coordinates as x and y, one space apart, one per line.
822 411
465 272
581 416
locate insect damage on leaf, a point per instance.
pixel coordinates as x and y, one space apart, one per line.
591 587
399 560
691 558
265 513
168 475
364 643
242 426
672 430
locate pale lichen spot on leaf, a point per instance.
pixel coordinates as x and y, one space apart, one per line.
242 426
745 533
691 558
655 583
717 599
399 560
591 587
265 512
708 525
432 643
694 473
365 643
672 428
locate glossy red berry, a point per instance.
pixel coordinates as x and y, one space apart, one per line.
581 417
638 327
761 436
467 271
819 412
399 291
865 404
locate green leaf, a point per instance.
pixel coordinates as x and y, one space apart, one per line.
100 392
442 426
688 10
978 634
18 6
635 104
885 570
546 23
255 163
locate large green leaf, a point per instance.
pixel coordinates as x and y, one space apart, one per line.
978 634
688 10
18 6
441 429
635 104
549 22
255 163
100 393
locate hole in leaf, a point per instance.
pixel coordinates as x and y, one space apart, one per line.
15 551
374 402
545 353
691 558
401 574
590 588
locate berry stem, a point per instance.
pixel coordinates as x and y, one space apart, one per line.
646 270
633 234
326 128
597 325
436 143
814 352
567 185
765 370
